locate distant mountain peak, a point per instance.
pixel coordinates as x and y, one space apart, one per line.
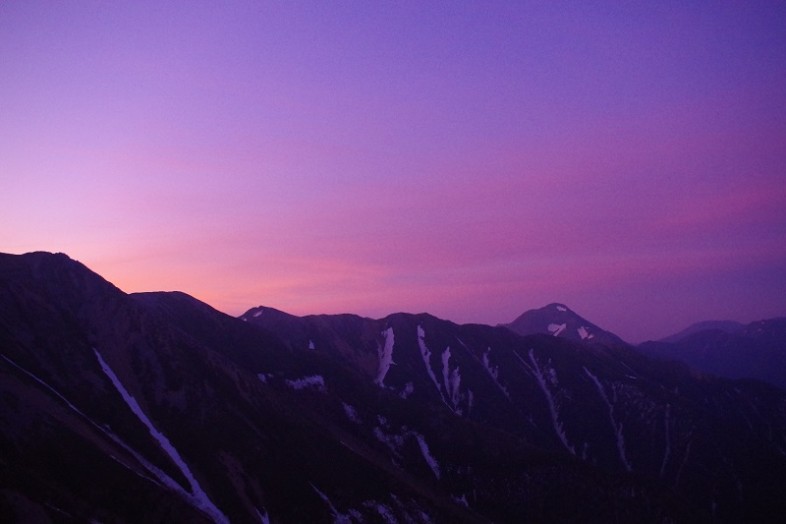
256 312
729 349
559 320
726 326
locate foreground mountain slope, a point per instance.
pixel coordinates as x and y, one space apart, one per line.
155 407
757 350
717 443
200 430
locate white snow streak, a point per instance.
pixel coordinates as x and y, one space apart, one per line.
392 441
556 329
264 518
561 308
426 354
351 413
449 391
395 442
446 367
493 371
427 456
617 428
583 333
452 380
199 497
258 313
163 477
386 513
311 345
338 517
541 378
409 388
47 386
385 356
313 381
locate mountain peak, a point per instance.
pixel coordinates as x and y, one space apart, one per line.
726 326
562 308
559 320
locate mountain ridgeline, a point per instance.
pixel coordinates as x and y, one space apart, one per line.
155 407
560 321
756 350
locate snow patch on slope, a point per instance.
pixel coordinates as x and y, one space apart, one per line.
493 372
264 518
385 356
583 333
314 381
392 440
199 497
450 388
395 442
543 381
616 427
557 329
386 513
562 308
425 352
47 386
427 456
409 388
338 517
162 477
452 380
351 413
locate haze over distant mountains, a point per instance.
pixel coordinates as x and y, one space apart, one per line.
726 326
728 349
157 407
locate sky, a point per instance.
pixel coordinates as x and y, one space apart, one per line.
472 160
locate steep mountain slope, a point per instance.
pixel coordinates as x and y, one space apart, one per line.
757 350
156 407
560 321
718 443
91 378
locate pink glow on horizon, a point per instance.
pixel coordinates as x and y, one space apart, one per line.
473 163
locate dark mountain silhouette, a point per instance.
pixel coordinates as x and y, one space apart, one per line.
558 320
156 407
757 350
726 326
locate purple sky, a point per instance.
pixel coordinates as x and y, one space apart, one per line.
469 159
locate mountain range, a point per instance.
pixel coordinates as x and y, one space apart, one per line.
156 407
756 350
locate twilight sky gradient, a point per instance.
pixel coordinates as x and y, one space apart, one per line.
469 159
